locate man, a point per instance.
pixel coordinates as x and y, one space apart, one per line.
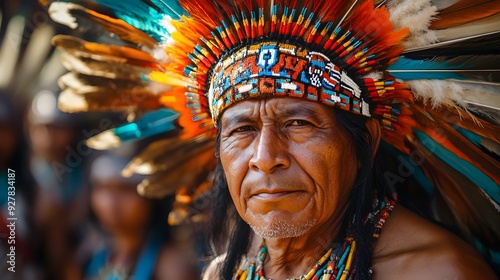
290 167
301 93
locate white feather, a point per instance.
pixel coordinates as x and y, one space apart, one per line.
375 75
447 92
104 140
437 92
60 13
70 102
159 52
417 16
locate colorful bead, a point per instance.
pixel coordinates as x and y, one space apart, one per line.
330 265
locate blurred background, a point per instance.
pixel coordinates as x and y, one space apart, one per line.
77 218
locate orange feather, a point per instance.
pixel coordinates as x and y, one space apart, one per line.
455 142
466 11
123 29
467 202
463 119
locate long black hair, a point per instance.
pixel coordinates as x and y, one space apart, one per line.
233 236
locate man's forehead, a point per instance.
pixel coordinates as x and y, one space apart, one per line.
275 107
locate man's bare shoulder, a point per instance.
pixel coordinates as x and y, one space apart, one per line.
413 248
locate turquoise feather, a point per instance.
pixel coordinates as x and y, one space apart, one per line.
471 136
170 7
141 16
462 166
409 69
416 171
150 124
158 32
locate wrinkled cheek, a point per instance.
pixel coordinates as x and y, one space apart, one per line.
238 201
229 160
235 167
231 173
234 187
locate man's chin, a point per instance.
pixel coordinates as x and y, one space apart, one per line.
281 229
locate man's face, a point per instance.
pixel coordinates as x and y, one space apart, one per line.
288 164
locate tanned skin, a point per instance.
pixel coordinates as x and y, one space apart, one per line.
288 162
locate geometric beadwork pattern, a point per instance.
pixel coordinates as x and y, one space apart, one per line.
282 69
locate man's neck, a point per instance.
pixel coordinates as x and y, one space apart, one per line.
293 257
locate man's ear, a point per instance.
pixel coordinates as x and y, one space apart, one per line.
374 128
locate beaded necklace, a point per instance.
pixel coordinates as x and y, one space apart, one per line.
335 264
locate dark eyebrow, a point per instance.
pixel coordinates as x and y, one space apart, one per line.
288 111
234 119
304 110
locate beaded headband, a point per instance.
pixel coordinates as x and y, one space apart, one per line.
279 69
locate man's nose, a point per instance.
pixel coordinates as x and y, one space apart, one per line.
270 152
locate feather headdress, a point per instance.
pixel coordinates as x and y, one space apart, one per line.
427 72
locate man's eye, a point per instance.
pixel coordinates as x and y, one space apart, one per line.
244 129
298 123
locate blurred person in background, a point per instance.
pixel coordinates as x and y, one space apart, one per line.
13 160
56 164
139 244
51 197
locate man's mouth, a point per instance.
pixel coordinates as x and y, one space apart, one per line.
270 195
